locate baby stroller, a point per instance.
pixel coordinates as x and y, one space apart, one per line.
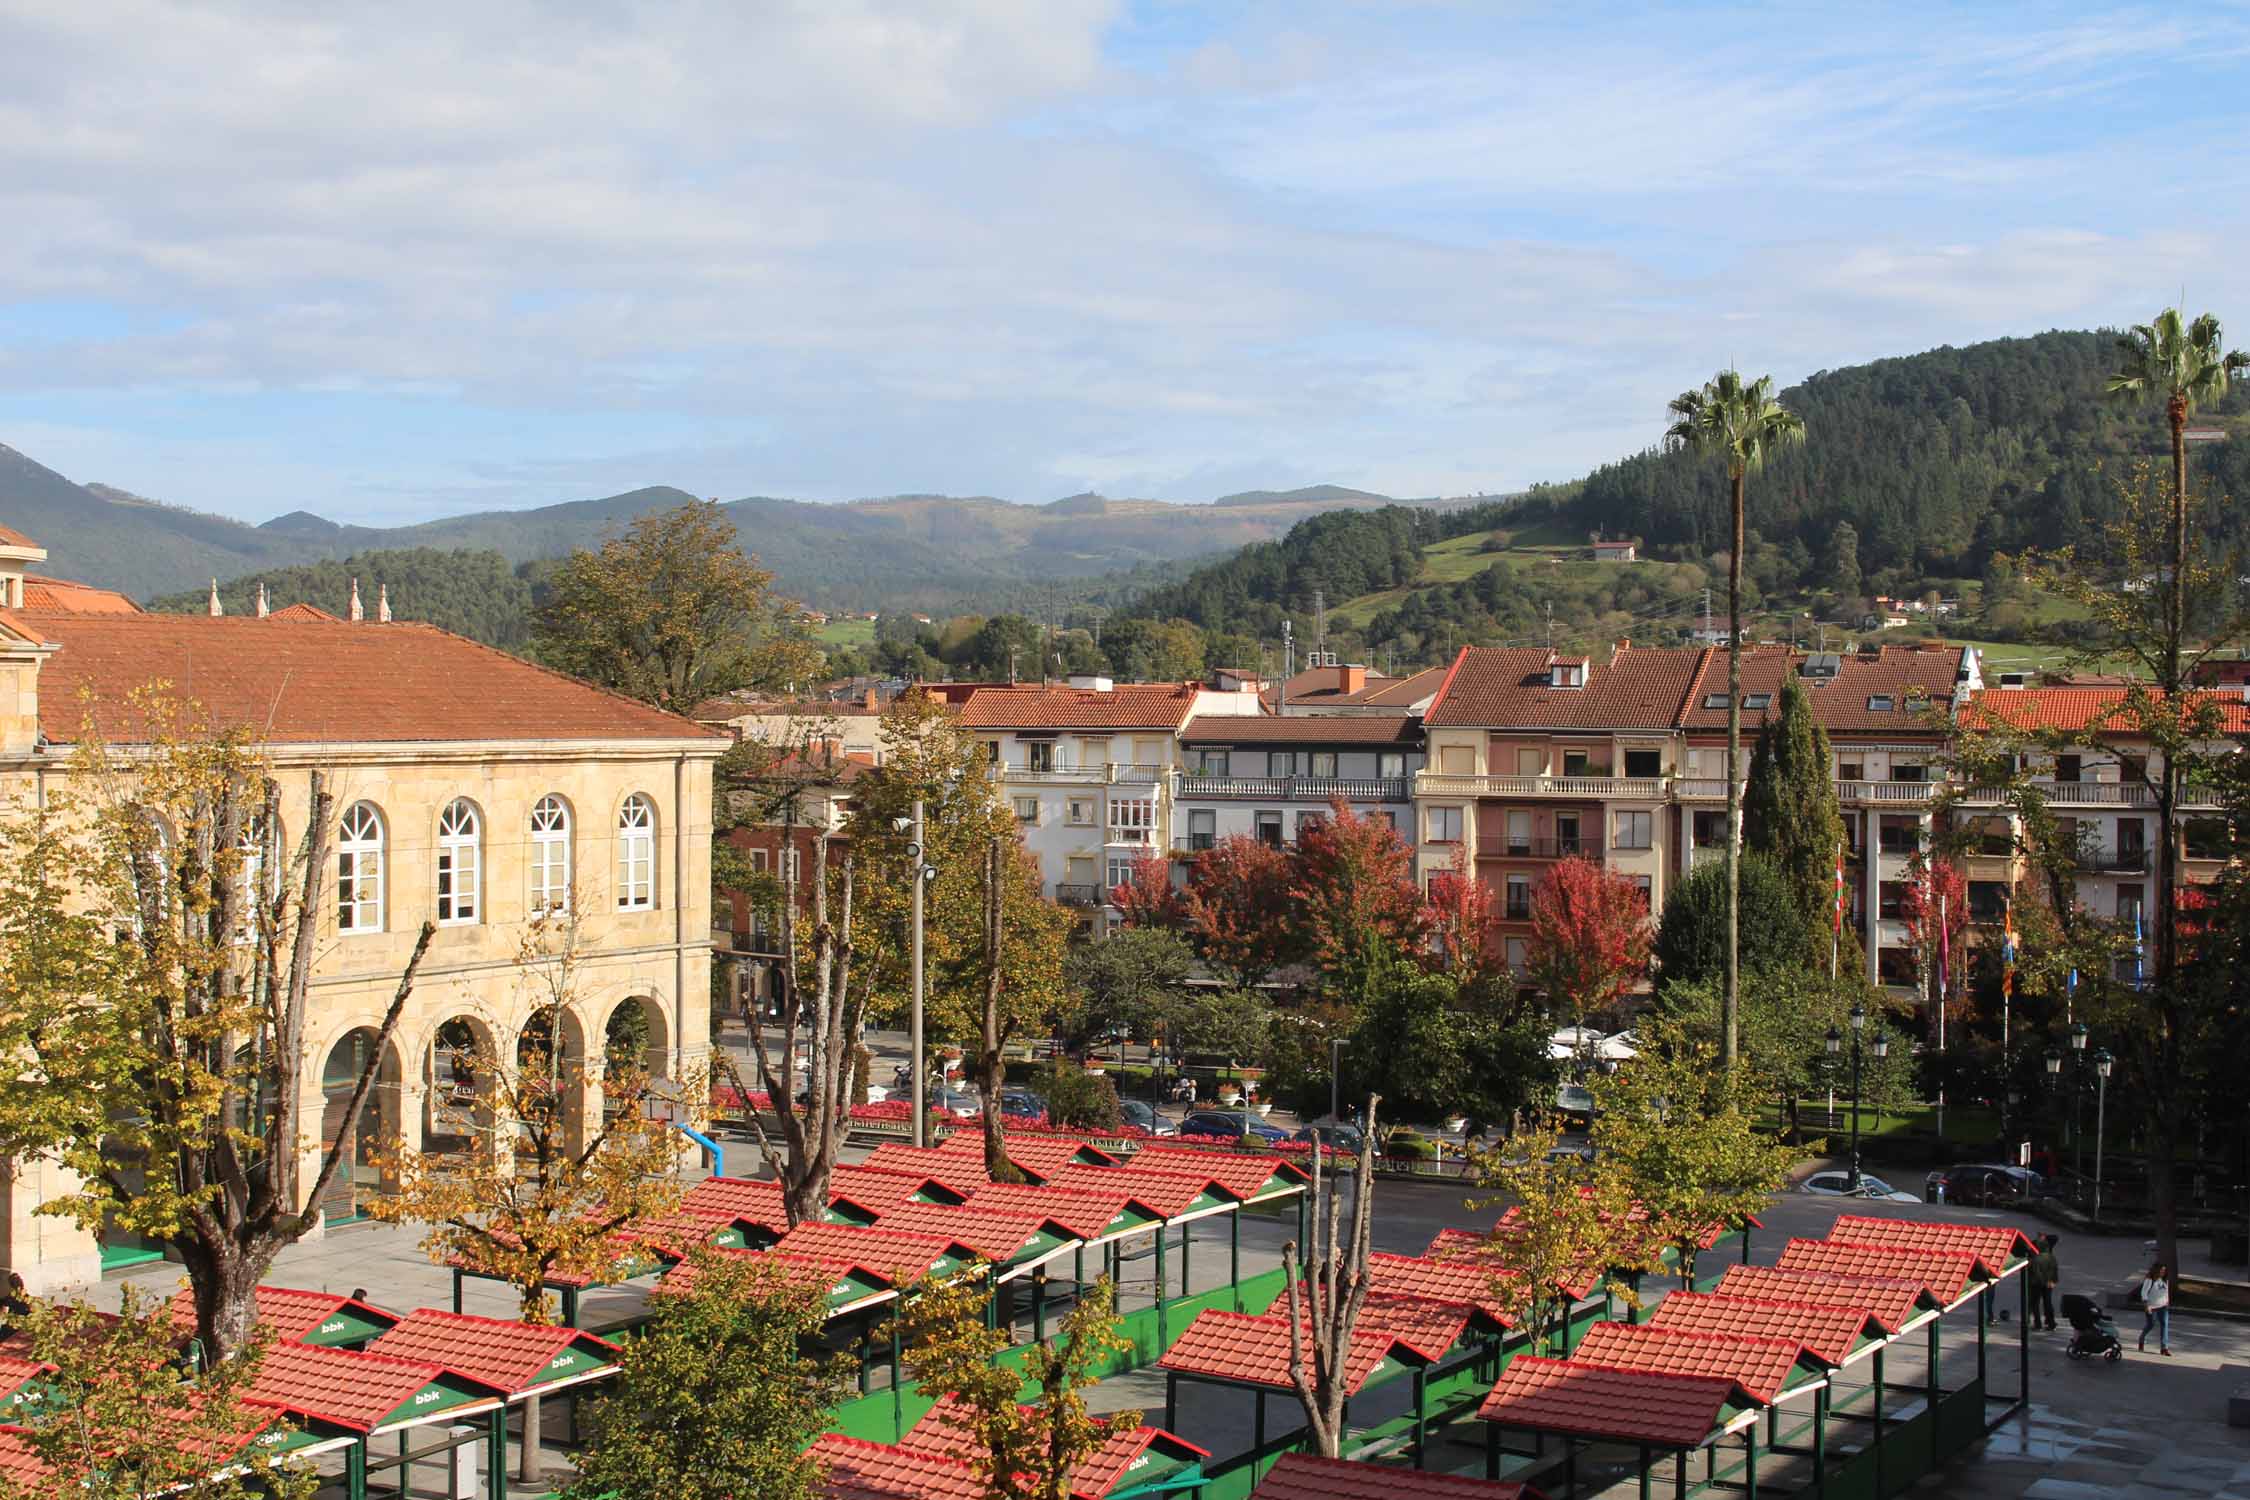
2091 1332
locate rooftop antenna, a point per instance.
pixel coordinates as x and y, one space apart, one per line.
1550 624
1320 619
1011 666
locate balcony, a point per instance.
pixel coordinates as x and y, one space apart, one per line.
1067 894
1540 848
1104 775
1705 788
1194 843
2131 859
1293 788
1886 793
1583 788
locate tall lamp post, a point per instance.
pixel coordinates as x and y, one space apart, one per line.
1835 1042
1335 1078
924 873
2052 1062
2078 1098
2103 1062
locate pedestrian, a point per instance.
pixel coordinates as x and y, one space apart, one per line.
2044 1278
2156 1307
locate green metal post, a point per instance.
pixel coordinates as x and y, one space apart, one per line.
1171 1400
1750 1462
1879 1423
1421 1414
355 1470
495 1454
1492 1450
1078 1271
1234 1256
1984 1311
2023 1337
1937 1333
898 1392
1187 1238
1820 1438
456 1288
1258 1432
1646 1461
1570 1467
1163 1325
1679 1475
405 1466
570 1307
866 1351
1039 1304
1300 1221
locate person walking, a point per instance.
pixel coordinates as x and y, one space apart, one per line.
2156 1307
2044 1278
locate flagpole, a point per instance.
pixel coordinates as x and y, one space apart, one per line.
1945 962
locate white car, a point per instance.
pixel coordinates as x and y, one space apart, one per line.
1839 1185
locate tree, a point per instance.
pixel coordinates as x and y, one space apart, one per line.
1326 1284
1936 915
1130 980
1155 650
166 1072
715 1397
2181 364
1681 1131
1076 1098
1465 921
1790 813
573 1157
1786 1014
670 612
1589 936
1022 1452
1240 909
1744 425
1571 1226
1353 891
994 1022
121 1420
1691 935
1843 562
1147 897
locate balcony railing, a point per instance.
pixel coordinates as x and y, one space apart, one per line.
2115 861
1703 788
1886 793
1194 843
1455 784
1104 775
1296 788
1069 894
1540 848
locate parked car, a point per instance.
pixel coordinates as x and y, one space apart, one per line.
1023 1104
1572 1148
955 1102
1575 1099
1231 1125
1839 1185
1985 1184
1143 1115
1340 1135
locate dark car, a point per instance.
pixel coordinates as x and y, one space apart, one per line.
1142 1115
1023 1104
1336 1135
1985 1185
1231 1126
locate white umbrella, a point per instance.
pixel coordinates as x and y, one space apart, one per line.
1619 1047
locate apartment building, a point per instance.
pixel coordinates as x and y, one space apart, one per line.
1536 756
847 727
1088 768
471 788
1348 688
1268 777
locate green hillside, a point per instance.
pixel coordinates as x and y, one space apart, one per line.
476 594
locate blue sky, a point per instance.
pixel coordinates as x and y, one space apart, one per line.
390 263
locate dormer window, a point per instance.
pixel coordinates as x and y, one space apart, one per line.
1880 703
1567 674
1757 700
1714 700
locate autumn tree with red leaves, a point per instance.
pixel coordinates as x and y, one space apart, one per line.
1238 908
1590 936
1465 922
1936 914
1147 897
1354 890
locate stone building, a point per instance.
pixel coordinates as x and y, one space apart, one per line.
470 787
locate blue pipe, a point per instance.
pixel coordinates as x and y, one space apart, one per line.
711 1148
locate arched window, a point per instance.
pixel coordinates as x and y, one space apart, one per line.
359 869
550 856
636 854
260 881
460 866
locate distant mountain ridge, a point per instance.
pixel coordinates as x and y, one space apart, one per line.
928 552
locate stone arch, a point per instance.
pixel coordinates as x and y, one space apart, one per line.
637 1034
457 1084
360 1175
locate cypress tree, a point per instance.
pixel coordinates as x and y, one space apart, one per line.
1789 811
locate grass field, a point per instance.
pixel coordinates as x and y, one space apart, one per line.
853 634
1461 557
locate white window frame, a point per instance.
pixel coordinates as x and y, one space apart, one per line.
1445 825
549 826
1027 809
361 840
636 853
1316 759
458 871
1132 820
1642 823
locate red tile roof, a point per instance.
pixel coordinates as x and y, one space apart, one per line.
498 1351
1455 1280
1482 1250
859 1470
1762 1365
2077 709
944 1432
1507 688
1085 1211
1128 705
302 612
18 1463
728 1200
1584 1399
1947 1273
1241 1173
339 1385
1829 1331
881 1189
1166 1192
1914 681
997 1234
290 1313
900 1255
18 1369
814 1273
316 681
956 1170
1893 1303
1255 1350
1304 1476
1992 1244
64 596
1035 1153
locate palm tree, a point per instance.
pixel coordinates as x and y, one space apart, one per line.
2183 365
1741 422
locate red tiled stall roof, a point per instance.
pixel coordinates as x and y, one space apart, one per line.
1763 1366
1035 1153
1583 1399
19 1464
901 1255
1240 1172
323 681
1388 730
944 1432
1947 1273
1891 1302
1459 1281
510 1355
287 1311
859 1470
1472 1248
1995 1245
1829 1331
1306 1476
1127 705
1166 1192
878 1190
1501 687
1085 1211
1913 681
954 1169
1254 1350
816 1273
730 1200
997 1234
348 1388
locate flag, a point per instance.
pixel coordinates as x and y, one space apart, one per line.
1839 913
2136 946
1944 950
2008 953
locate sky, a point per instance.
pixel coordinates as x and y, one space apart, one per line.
389 263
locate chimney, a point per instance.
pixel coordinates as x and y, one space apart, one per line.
383 603
1620 649
872 705
215 608
356 612
1351 679
262 610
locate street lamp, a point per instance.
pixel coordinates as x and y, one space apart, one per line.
924 873
2103 1062
2078 1099
1835 1044
1334 1077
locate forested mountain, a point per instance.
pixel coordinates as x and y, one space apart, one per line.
477 594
